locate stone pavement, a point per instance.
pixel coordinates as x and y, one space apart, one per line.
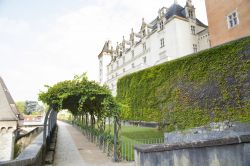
74 149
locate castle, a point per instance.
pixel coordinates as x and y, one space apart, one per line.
174 33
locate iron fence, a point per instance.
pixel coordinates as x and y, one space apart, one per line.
103 141
127 146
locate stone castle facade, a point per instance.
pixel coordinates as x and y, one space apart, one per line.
174 33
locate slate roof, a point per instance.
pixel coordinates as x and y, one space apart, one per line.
8 110
176 10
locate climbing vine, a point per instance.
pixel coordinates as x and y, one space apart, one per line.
213 85
84 99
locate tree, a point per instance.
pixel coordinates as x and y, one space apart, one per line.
30 107
21 106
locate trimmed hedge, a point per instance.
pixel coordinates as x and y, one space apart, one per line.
212 85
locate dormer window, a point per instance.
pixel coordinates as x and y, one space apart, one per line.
190 14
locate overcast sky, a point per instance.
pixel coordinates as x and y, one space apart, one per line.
46 41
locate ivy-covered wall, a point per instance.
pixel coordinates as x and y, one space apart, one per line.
212 85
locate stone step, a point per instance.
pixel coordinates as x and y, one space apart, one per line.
52 146
49 157
53 139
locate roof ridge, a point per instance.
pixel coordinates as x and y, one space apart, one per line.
7 104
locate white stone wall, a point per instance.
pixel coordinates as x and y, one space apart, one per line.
104 60
7 139
204 40
178 40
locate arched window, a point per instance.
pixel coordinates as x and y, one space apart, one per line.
3 130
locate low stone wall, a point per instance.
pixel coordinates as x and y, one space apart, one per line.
224 151
140 123
32 155
24 140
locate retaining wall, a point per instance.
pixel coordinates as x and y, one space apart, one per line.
32 155
230 151
24 140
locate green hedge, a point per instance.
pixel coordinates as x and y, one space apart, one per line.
212 85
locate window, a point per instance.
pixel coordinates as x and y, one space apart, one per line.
132 54
195 48
144 59
232 19
116 74
193 29
161 25
162 42
144 46
123 59
133 65
190 13
124 70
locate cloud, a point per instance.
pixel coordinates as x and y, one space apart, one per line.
48 51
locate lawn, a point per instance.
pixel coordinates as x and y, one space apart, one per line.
137 133
132 135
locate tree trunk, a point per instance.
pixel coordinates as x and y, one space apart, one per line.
86 115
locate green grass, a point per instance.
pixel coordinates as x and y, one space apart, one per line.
132 135
135 133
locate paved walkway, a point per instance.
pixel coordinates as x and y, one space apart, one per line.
73 149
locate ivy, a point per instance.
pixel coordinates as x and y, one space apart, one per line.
212 85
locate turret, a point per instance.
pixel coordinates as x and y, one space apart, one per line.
190 10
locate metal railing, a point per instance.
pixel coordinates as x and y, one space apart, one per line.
127 146
104 142
49 125
34 154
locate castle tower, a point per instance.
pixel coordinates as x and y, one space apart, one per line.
190 10
104 59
